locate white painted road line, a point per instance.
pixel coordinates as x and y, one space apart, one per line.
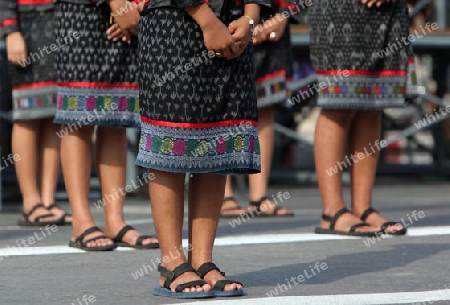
228 241
345 299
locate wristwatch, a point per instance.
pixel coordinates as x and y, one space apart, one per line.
251 21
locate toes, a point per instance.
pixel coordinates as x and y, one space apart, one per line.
394 228
149 241
230 287
206 287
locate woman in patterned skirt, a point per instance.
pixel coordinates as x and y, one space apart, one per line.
35 145
272 60
97 86
199 116
364 63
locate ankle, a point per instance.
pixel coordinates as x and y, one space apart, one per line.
171 263
331 211
112 221
28 204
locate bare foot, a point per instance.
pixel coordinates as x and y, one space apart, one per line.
185 278
231 207
39 212
213 276
56 210
375 219
130 237
346 221
268 206
101 242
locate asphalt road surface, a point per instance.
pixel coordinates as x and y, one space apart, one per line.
280 260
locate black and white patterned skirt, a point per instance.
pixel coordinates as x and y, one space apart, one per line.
198 112
362 55
34 81
97 77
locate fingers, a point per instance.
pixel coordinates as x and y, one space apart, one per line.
232 27
378 3
236 49
126 37
114 33
17 57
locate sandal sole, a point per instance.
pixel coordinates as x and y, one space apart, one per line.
234 293
319 230
73 244
164 292
146 247
24 223
274 215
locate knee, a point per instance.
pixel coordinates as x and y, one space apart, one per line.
339 116
372 116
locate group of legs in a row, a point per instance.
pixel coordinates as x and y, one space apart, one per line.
188 124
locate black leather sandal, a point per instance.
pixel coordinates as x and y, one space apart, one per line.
81 244
120 243
37 221
165 291
261 213
63 217
219 287
351 232
386 224
234 208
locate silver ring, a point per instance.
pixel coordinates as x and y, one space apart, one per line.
272 35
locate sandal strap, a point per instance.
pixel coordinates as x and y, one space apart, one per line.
84 243
38 219
367 213
238 207
258 203
172 275
53 205
229 199
80 238
388 224
122 232
358 225
206 267
332 220
220 285
181 287
37 206
140 240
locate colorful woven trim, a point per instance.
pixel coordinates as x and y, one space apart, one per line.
48 100
218 149
99 103
365 89
270 89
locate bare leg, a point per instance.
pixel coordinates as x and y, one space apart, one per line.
167 202
258 182
25 136
205 199
76 157
364 134
50 146
230 205
329 149
111 159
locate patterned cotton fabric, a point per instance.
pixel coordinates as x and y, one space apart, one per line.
273 68
361 55
33 81
97 78
198 112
